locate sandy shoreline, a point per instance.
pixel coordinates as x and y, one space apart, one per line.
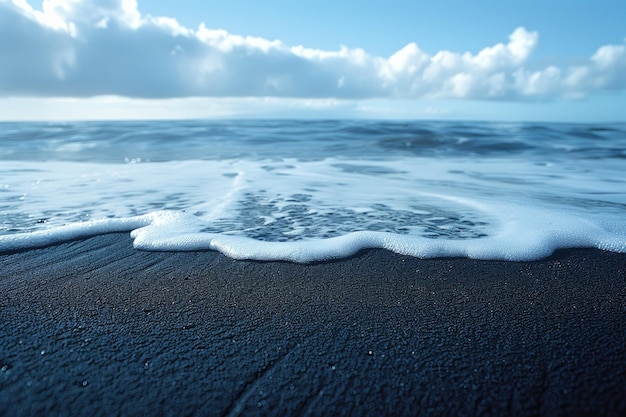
95 327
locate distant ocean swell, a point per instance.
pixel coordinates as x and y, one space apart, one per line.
312 190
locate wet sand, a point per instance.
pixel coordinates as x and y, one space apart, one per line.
94 327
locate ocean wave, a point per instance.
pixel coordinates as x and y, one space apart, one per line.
320 188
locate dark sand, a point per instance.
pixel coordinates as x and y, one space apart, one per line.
94 327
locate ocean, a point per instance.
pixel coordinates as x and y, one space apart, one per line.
314 190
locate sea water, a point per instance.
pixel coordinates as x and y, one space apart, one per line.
311 190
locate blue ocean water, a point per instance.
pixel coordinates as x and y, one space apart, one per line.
309 190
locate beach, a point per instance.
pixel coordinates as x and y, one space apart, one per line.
292 209
96 327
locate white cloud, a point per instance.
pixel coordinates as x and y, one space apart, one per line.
87 48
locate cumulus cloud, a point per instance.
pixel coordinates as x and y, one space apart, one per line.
86 48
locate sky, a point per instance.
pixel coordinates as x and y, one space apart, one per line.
481 60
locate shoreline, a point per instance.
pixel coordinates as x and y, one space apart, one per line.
96 327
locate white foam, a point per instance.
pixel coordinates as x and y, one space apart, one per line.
287 209
525 236
41 238
176 231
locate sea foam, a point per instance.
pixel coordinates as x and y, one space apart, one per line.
325 191
534 236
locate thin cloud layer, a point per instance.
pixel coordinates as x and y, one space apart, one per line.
86 48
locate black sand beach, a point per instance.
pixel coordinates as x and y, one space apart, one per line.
94 327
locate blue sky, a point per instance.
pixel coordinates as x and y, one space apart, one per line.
487 60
